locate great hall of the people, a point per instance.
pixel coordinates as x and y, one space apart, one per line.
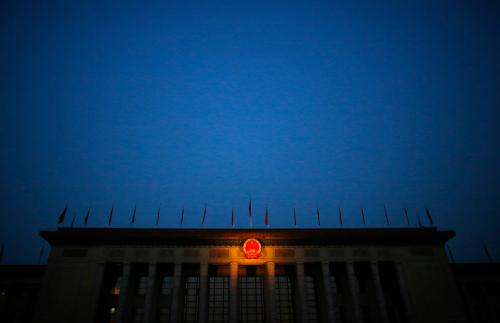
111 275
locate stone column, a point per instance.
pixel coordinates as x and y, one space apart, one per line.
330 307
122 301
176 313
233 293
354 290
150 301
301 293
270 299
379 292
333 286
404 292
97 291
203 309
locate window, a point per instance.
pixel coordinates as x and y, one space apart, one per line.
218 299
251 299
343 315
167 285
361 284
284 299
165 299
191 298
115 290
164 315
310 294
335 285
143 284
367 318
139 315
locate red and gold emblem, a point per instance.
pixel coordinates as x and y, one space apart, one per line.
252 248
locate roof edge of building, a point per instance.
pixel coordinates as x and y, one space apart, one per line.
219 236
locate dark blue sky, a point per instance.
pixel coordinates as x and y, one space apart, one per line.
306 105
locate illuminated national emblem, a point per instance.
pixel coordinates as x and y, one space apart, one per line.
252 248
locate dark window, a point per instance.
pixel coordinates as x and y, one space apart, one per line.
343 316
115 290
165 299
361 284
335 285
218 299
367 318
191 298
284 299
138 315
164 315
312 313
251 299
167 285
143 283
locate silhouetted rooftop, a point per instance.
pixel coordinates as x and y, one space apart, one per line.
148 236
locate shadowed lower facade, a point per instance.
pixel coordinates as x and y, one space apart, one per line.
206 275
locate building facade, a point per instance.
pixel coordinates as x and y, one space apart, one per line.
479 287
248 275
19 287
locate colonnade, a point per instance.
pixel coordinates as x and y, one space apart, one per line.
328 281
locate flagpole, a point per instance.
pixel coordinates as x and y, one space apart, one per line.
110 219
487 252
60 220
386 216
250 213
407 218
86 219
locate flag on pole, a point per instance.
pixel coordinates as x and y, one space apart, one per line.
232 217
86 219
2 249
62 215
182 216
158 216
340 216
73 220
204 215
363 215
250 212
487 252
40 255
429 216
386 216
111 215
267 217
133 215
317 215
406 216
294 217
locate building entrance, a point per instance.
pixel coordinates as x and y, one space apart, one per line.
251 281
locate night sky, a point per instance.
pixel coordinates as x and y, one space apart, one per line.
291 104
